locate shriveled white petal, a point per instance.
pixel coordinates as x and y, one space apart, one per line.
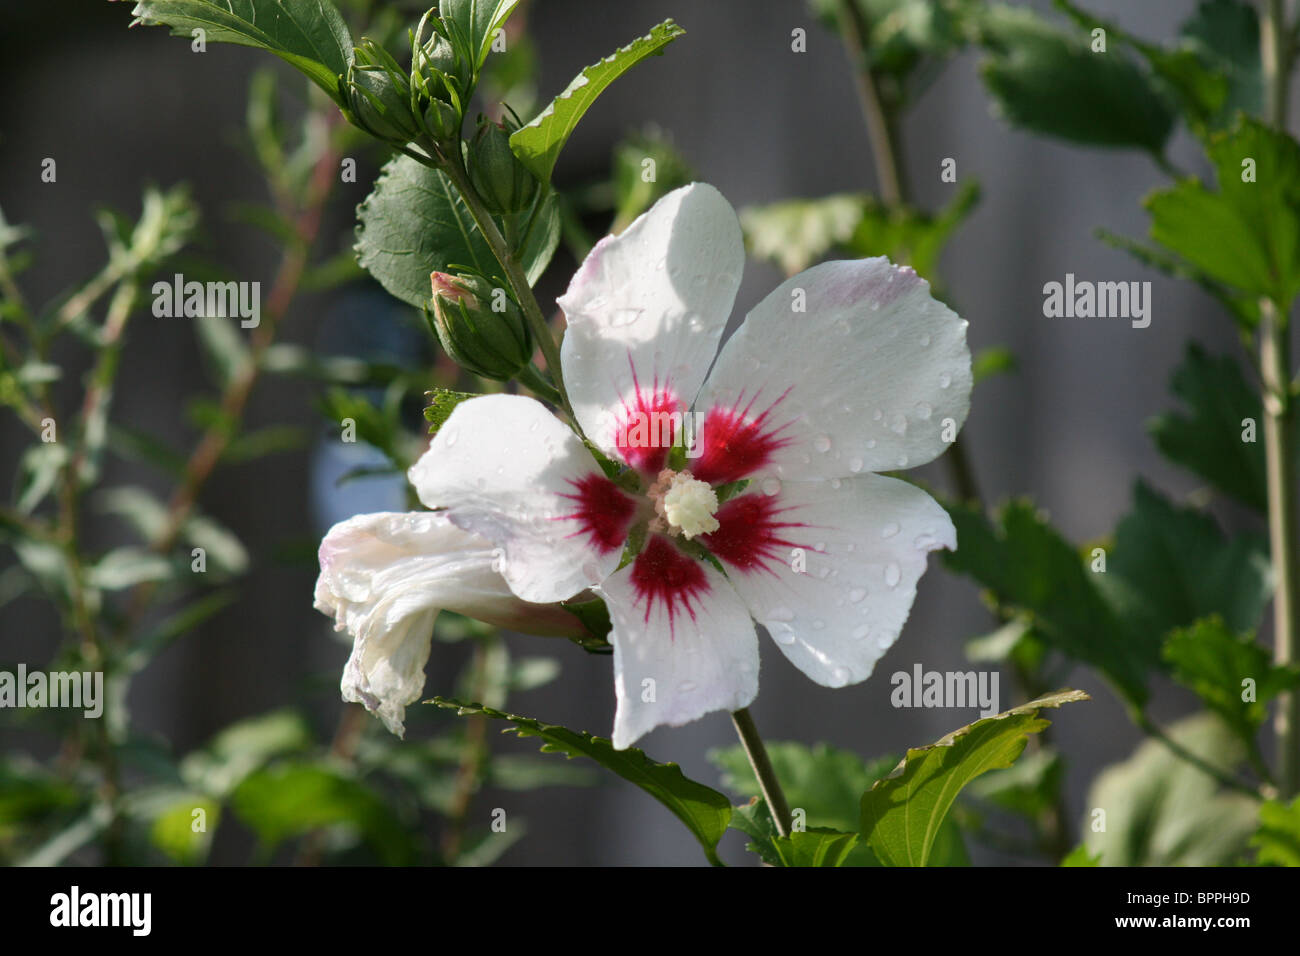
672 670
872 375
647 308
502 466
384 578
838 604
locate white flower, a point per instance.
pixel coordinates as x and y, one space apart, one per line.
384 578
846 369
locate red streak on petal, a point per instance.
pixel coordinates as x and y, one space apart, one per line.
736 445
646 430
662 573
749 536
603 510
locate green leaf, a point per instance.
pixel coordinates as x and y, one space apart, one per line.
1172 566
902 814
127 567
796 233
1050 82
414 222
309 34
282 802
1277 841
1225 33
242 748
1208 438
815 847
173 830
1248 233
1029 787
908 235
538 143
1028 566
1080 856
1161 810
823 781
442 402
472 23
1213 662
993 361
704 811
633 195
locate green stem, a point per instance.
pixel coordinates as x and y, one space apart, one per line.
773 795
881 125
1279 451
514 275
1153 730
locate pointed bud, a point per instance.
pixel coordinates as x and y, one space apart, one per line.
381 103
480 326
504 183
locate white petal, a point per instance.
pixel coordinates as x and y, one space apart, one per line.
674 668
384 578
502 466
866 379
647 308
865 542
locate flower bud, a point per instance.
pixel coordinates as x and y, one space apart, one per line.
505 184
442 122
480 326
381 103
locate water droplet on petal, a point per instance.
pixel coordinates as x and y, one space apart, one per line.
835 483
891 529
857 594
771 486
871 443
451 434
892 574
624 316
855 465
686 686
925 339
945 380
784 636
924 411
902 461
839 677
822 443
780 613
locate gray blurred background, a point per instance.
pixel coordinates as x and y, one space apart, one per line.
119 109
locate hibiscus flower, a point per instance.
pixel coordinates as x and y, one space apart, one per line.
775 513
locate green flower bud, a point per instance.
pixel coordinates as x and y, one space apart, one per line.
505 184
442 122
434 61
480 326
381 103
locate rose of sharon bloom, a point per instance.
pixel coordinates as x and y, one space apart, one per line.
384 578
844 370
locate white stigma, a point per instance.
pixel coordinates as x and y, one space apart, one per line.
689 504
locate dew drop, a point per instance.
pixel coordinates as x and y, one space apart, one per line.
891 529
902 461
451 435
784 637
625 316
839 677
822 443
686 686
771 486
835 483
925 339
861 632
855 465
892 574
780 613
945 380
857 594
923 411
